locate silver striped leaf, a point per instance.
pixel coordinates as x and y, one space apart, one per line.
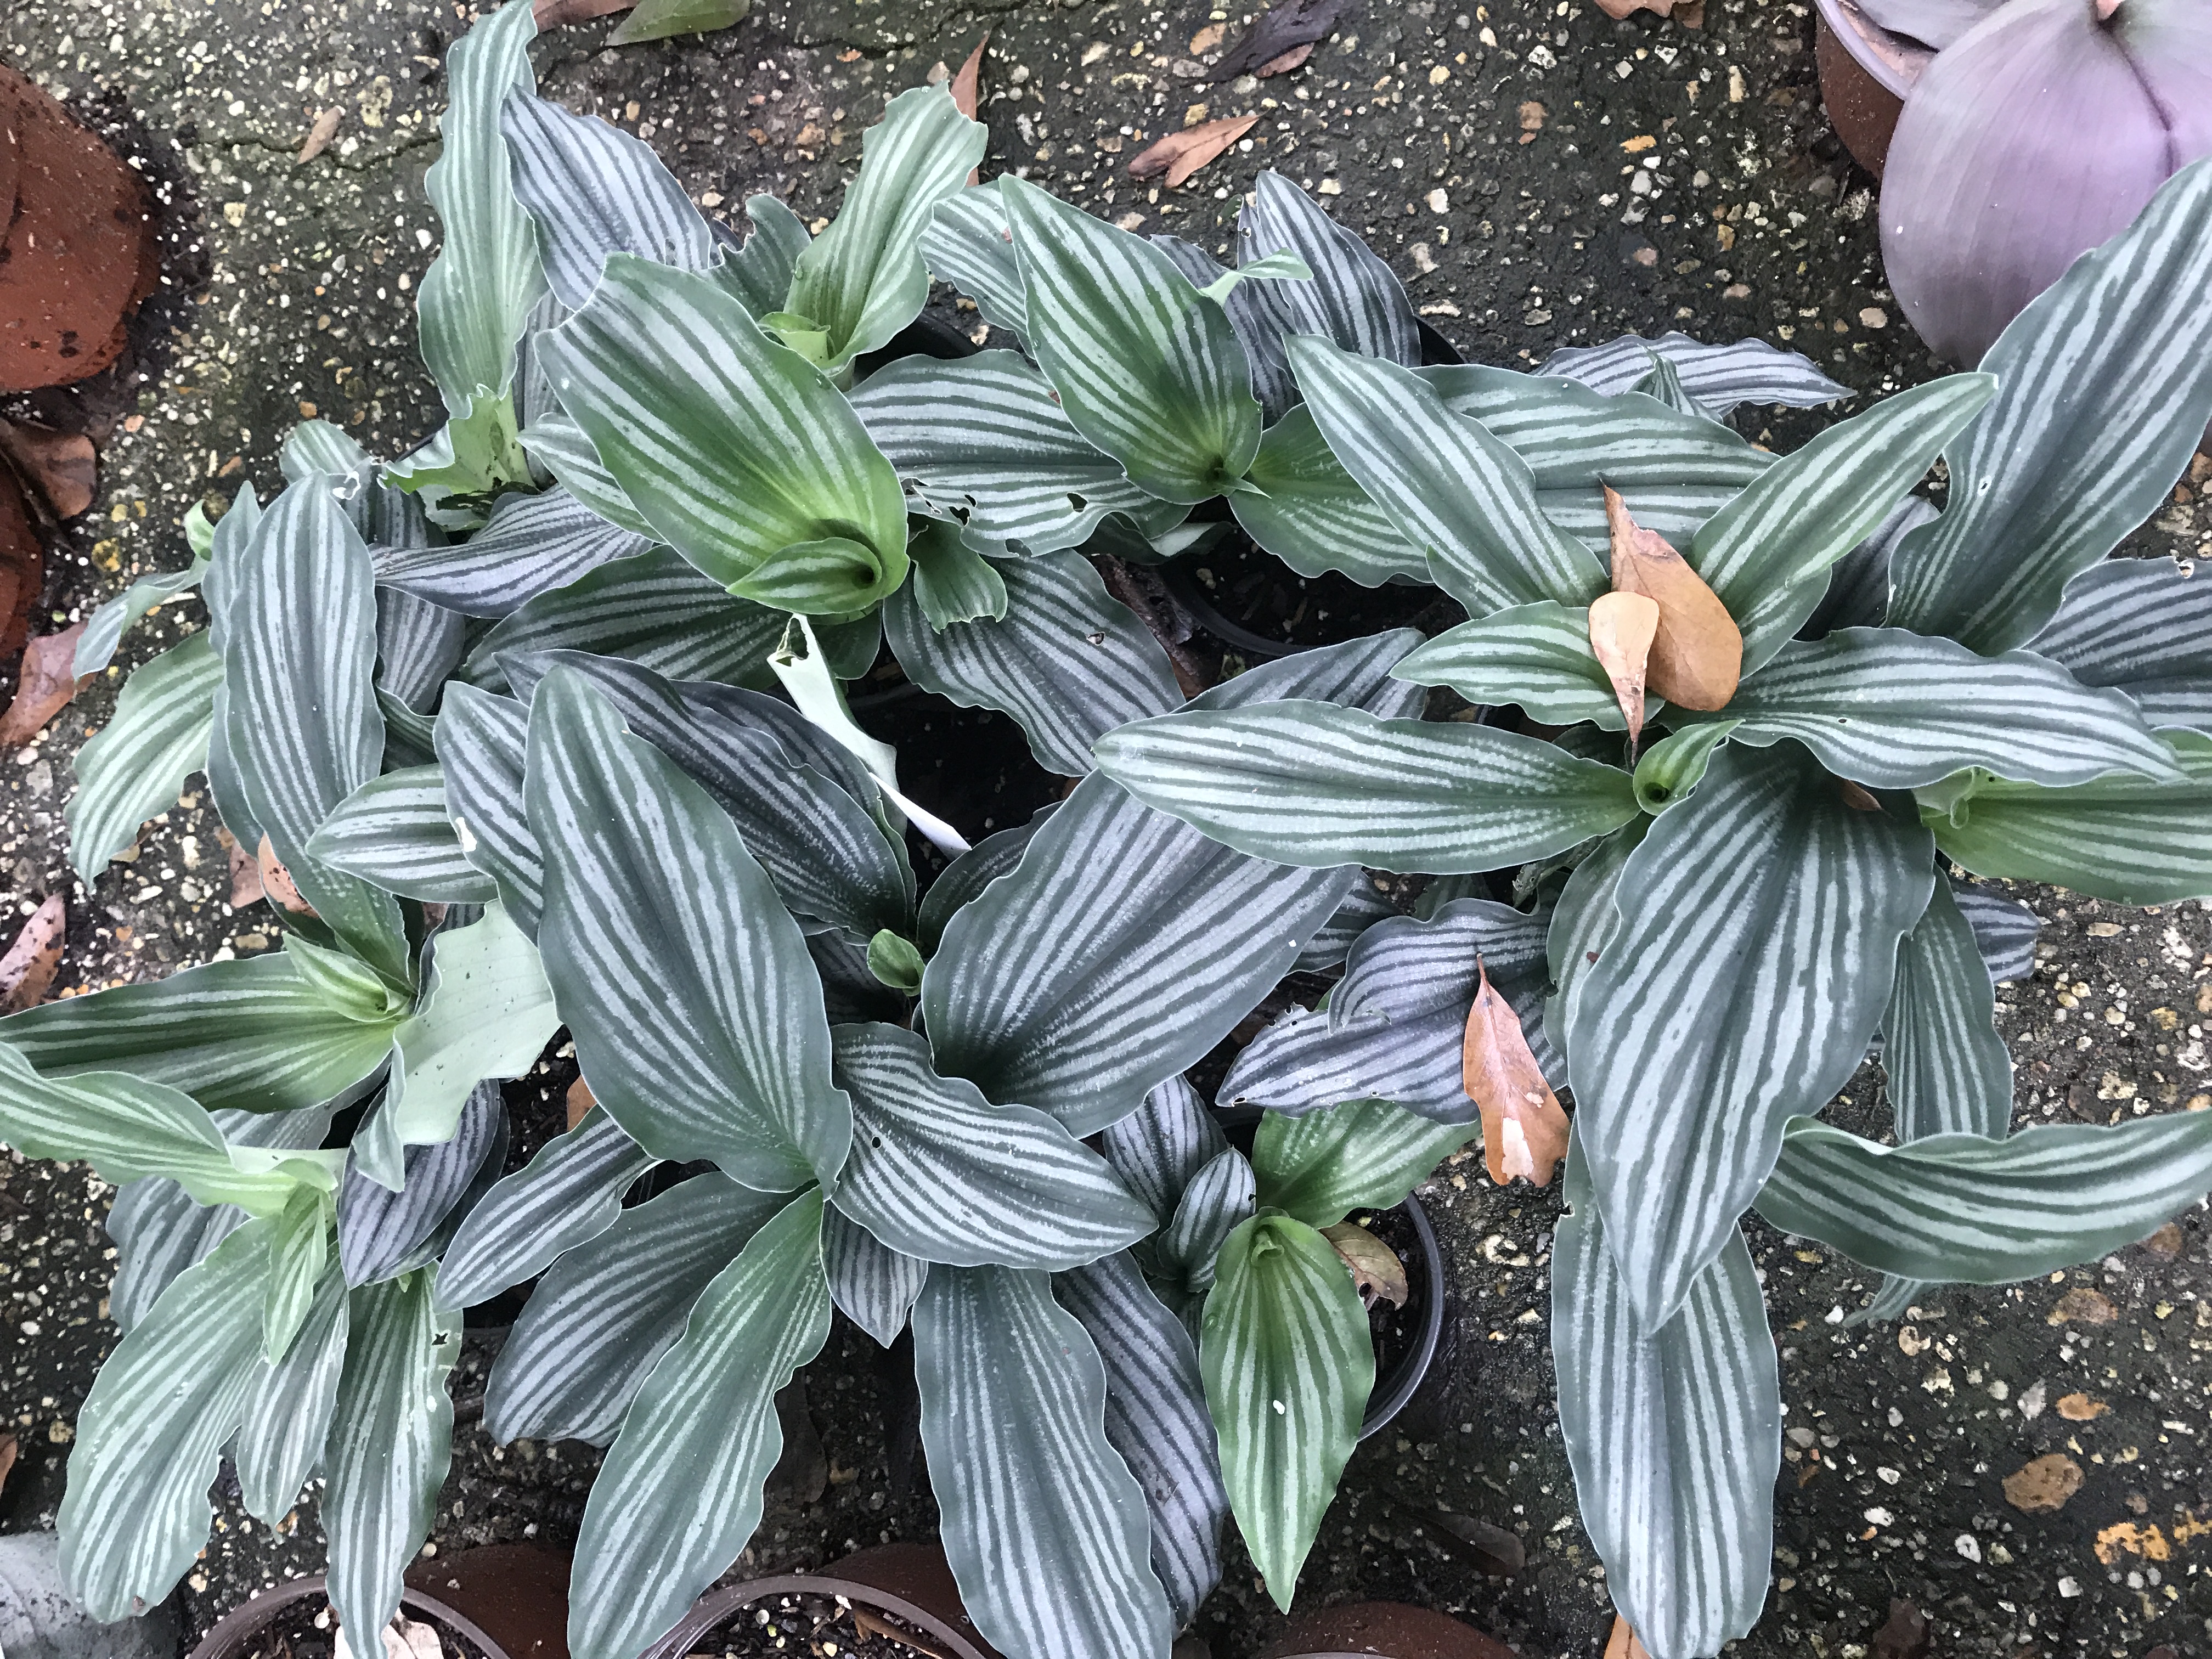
1354 672
1947 1067
285 1420
1755 951
1046 1527
150 1437
1963 1209
695 1011
1457 492
559 446
1858 583
1536 656
232 532
680 1491
410 739
1218 1198
1354 298
1362 909
531 545
1674 1434
939 1173
1718 376
1895 710
480 743
391 1442
758 270
1307 510
968 875
395 831
1396 1022
1362 1155
862 280
1664 384
567 1195
2144 626
737 452
1259 331
2106 381
969 244
1158 1148
104 629
1582 922
1320 785
607 1309
476 297
1145 369
160 1229
594 190
418 644
136 764
380 1231
299 1248
1288 1365
2132 840
951 583
2004 928
873 1285
1156 1418
533 391
1767 553
982 440
851 993
1068 662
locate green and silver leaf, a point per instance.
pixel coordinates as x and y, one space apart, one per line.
1537 656
395 832
1362 1155
567 1195
873 1285
286 1420
135 765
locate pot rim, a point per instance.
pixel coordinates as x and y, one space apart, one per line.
227 1638
1413 1367
717 1606
1895 61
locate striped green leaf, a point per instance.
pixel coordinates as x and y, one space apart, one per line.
299 1246
1259 335
1671 770
150 1438
2004 928
1718 376
1457 494
951 583
1288 1365
2133 840
736 450
1160 1146
1045 1527
1309 512
1674 1432
1583 923
418 645
969 873
2142 626
286 1418
1315 784
873 1285
594 189
1218 1198
391 1444
478 293
481 745
1352 297
104 629
651 1544
1896 710
385 1230
695 1011
1363 1155
1754 954
530 546
1961 1208
135 765
1156 1418
969 244
2106 383
1145 368
567 1195
1537 656
758 270
560 446
608 1309
1664 385
1947 1069
1067 661
1768 552
394 831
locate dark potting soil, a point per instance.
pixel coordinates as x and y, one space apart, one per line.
308 1628
1397 1331
814 1626
1257 609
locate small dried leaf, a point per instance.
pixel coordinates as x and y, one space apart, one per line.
7 1456
22 569
1290 25
1621 629
2081 1408
2084 1306
559 13
62 466
28 971
580 1100
1524 1133
1179 154
43 686
1489 1550
1283 64
1622 1643
965 89
1207 39
325 129
1376 1269
1696 655
1856 796
1905 1636
2043 1487
276 883
244 874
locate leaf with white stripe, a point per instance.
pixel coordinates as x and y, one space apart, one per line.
285 1420
531 544
737 452
1146 369
557 444
567 1195
1067 661
481 744
1220 1197
1315 784
951 583
380 1231
394 831
1258 333
1362 1155
969 244
1583 921
607 1309
968 875
1947 1067
1537 656
1353 298
650 1544
2142 626
1858 583
2004 928
758 270
1674 1434
873 1285
1756 952
135 765
2130 839
1305 509
104 629
1046 1528
1156 1418
418 644
1288 1365
1362 909
1718 376
594 190
1160 1146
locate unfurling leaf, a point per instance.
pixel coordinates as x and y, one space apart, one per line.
1622 626
32 961
1698 652
1376 1272
1179 154
1524 1133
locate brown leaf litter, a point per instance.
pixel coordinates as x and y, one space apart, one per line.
1179 154
1697 655
1524 1132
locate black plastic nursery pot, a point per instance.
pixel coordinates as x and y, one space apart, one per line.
506 1600
1386 1630
903 1590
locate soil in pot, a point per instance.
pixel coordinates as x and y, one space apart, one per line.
1397 1332
800 1624
308 1628
1259 608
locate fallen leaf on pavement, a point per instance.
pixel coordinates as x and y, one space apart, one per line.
325 129
1491 1550
2086 1306
22 569
1291 26
559 13
1208 38
1376 1269
43 686
245 873
2043 1487
581 1101
1283 65
276 883
7 1456
1621 629
1622 1643
62 466
27 970
1696 655
1690 17
1179 154
965 89
1524 1133
1906 1635
2079 1408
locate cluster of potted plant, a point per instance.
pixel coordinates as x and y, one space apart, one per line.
544 727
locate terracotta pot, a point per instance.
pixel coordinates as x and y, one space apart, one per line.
510 1600
1391 1630
913 1583
79 253
1865 72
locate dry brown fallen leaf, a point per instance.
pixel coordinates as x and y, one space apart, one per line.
1208 38
1690 17
580 1100
559 13
1857 797
1284 62
28 971
245 872
1376 1269
965 89
1524 1133
62 466
1621 629
1697 654
320 134
7 1456
2043 1487
22 569
43 686
1622 1643
2085 1306
1179 154
276 883
2079 1408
